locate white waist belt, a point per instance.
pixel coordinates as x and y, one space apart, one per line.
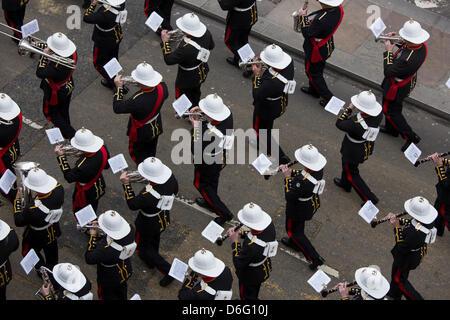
257 263
1 266
274 99
152 119
41 228
105 30
108 265
150 215
318 40
190 69
398 79
242 10
305 199
354 140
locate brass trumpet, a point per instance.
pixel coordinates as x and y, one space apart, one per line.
296 18
136 177
129 80
200 114
71 151
394 39
246 66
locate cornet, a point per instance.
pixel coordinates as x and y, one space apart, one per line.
129 80
394 39
175 37
201 115
296 18
136 177
71 151
246 66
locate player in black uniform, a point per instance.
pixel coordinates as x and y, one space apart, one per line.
154 203
191 55
372 285
252 258
14 11
400 78
319 45
302 190
163 8
144 107
112 255
361 131
442 203
9 242
216 279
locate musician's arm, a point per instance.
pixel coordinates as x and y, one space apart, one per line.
228 4
120 105
292 188
442 175
399 68
172 57
92 255
242 256
93 17
20 213
13 241
46 70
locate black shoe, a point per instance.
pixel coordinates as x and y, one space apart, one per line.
247 73
339 183
267 176
164 282
233 62
322 103
203 203
288 243
316 262
375 200
221 220
107 84
415 139
310 91
384 129
440 232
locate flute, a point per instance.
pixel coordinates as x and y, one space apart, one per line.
324 292
374 223
420 161
220 240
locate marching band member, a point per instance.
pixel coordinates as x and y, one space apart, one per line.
154 203
319 45
208 165
14 11
241 16
302 190
57 82
270 93
87 172
10 127
251 259
411 242
107 34
361 131
163 8
145 124
216 279
9 242
74 283
442 203
40 217
192 65
373 285
400 78
112 255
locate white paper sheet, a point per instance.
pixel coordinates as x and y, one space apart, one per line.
7 181
178 270
30 28
154 21
85 215
448 83
182 104
262 163
334 105
377 27
136 297
319 281
246 53
212 231
54 135
29 261
112 68
412 153
117 163
368 211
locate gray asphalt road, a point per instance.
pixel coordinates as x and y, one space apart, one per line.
338 233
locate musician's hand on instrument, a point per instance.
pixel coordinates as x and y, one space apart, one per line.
124 178
19 193
257 69
118 81
391 34
343 290
285 169
58 150
45 289
436 159
351 106
165 36
93 231
389 45
302 12
47 50
94 2
393 219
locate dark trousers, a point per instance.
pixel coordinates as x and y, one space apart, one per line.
401 286
3 293
206 181
193 94
443 217
143 150
350 178
118 292
59 115
148 250
314 72
50 253
394 119
14 19
249 291
267 124
296 231
163 8
236 39
102 55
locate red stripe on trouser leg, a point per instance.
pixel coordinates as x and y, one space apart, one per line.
95 58
99 292
138 237
241 291
308 64
25 250
388 117
289 232
147 4
12 25
227 36
177 92
47 116
349 178
400 285
197 180
203 192
442 212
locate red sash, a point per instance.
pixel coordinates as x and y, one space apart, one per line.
5 149
56 86
138 124
392 93
80 196
316 57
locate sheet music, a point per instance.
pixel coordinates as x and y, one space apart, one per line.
334 105
85 215
7 181
154 21
319 281
178 270
30 28
117 163
112 68
262 163
212 231
29 261
182 104
448 83
246 53
54 135
377 27
412 153
368 211
136 297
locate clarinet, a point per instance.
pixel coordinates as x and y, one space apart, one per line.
420 161
220 240
351 291
374 223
